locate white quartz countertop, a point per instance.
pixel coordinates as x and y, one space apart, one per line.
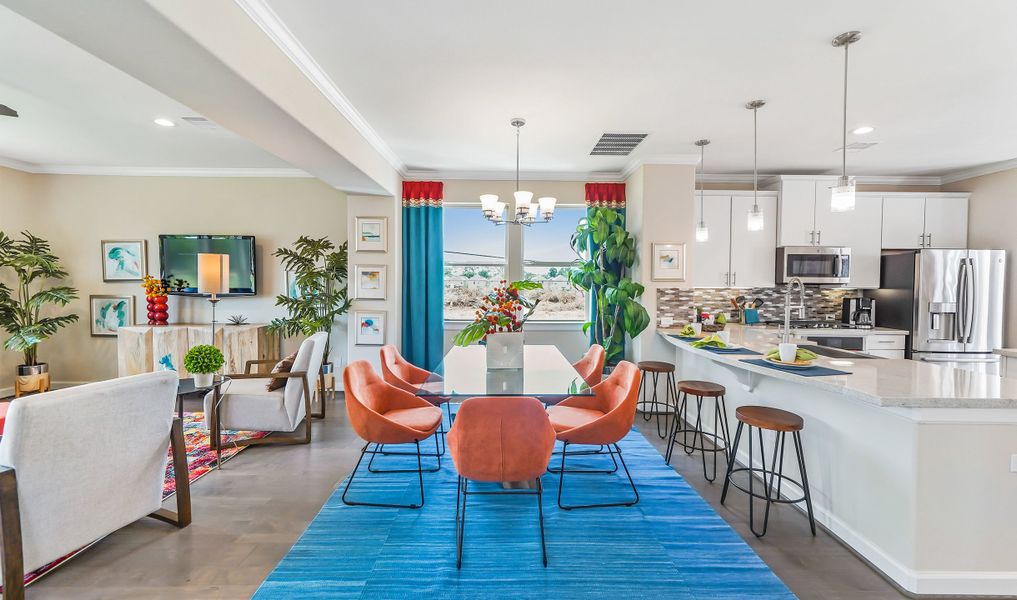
837 332
883 382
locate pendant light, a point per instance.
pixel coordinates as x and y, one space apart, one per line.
842 195
755 221
702 232
525 211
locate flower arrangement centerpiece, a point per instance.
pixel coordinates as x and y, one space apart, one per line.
156 294
499 324
203 361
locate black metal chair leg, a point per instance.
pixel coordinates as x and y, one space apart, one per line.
598 451
461 523
731 461
642 400
561 484
540 518
420 475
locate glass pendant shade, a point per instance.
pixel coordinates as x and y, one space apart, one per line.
842 196
702 232
755 219
487 202
523 200
547 204
499 210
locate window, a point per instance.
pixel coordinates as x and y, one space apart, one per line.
474 260
547 257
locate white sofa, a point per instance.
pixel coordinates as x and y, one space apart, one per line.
246 404
80 463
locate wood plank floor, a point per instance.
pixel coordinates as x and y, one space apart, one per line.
248 515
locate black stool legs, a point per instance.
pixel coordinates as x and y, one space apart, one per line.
669 403
720 439
773 478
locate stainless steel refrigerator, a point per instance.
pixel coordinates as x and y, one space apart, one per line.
951 302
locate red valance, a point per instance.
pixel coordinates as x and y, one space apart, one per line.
606 195
422 193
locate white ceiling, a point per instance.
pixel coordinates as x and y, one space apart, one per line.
439 80
76 110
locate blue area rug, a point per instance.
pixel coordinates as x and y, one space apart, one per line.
671 545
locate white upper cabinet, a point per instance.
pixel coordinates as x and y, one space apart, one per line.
711 266
753 253
858 229
925 221
797 225
903 222
946 222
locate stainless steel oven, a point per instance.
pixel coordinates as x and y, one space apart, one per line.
814 264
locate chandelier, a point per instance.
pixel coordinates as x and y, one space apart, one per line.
525 211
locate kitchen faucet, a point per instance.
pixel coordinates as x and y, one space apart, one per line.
800 307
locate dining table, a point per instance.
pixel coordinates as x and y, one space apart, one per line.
545 374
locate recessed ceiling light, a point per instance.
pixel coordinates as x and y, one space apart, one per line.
164 122
863 130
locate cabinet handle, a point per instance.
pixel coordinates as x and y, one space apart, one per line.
812 238
929 240
819 238
734 278
921 241
727 279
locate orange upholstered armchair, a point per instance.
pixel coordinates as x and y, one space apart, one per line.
599 420
591 366
498 440
408 377
380 414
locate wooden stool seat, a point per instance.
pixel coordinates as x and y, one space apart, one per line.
655 366
771 419
704 389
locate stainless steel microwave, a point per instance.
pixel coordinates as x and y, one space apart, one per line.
814 264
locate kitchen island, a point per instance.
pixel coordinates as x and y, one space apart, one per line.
909 463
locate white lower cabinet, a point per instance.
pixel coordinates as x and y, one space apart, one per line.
885 345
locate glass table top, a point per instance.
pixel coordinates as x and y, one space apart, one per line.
546 373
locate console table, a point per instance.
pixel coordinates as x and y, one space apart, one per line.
146 348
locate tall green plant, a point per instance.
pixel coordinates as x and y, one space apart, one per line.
606 254
21 307
320 271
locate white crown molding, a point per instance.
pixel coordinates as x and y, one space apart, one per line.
978 171
742 178
152 171
19 165
269 22
663 159
448 174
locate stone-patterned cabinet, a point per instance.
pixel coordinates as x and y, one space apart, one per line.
146 348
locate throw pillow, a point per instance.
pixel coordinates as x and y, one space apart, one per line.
283 366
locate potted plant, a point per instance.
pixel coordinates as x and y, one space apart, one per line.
606 253
320 271
499 323
203 361
21 308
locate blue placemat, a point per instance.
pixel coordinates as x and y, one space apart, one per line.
731 350
683 338
809 372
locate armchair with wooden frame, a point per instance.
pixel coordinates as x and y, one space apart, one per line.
57 445
246 404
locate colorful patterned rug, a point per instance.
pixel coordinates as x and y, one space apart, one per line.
200 460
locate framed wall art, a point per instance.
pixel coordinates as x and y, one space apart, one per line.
109 313
372 234
370 282
370 327
124 260
668 262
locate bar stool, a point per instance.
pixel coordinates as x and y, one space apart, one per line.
781 422
720 438
670 402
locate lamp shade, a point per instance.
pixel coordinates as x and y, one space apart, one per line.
755 221
842 196
523 199
702 232
547 204
488 201
213 273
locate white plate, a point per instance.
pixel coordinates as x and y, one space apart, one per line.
795 365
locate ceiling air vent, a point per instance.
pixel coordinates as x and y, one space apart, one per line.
856 146
617 144
200 122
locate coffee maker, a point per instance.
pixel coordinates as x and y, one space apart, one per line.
859 312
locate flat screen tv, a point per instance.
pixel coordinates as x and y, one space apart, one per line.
178 259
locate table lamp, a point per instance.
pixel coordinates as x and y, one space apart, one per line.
213 279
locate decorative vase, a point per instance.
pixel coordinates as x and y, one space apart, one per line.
158 310
203 380
505 350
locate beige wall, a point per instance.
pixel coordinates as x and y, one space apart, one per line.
76 212
991 213
660 208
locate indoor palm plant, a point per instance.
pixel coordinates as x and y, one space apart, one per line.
21 307
320 273
606 254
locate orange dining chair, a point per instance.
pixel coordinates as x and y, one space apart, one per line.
498 439
591 366
408 377
381 414
599 420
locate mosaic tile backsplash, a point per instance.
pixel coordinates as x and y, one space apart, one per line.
679 304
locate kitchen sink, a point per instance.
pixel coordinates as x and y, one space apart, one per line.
835 353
